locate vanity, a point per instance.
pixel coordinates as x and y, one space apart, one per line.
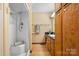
50 43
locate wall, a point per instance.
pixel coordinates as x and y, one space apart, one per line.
23 35
43 19
1 30
12 28
53 24
29 6
18 34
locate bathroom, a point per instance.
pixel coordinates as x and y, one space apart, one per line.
18 29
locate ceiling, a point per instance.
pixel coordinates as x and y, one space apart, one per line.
17 7
36 7
43 7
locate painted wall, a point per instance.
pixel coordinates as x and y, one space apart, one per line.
53 26
1 30
43 19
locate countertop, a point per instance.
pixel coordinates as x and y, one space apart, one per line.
51 36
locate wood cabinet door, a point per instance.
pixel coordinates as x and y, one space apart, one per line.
52 46
74 30
71 30
67 31
58 39
46 41
67 13
49 43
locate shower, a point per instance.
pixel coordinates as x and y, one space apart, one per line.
18 29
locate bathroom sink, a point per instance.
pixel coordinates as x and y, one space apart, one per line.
52 35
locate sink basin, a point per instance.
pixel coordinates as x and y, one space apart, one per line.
51 35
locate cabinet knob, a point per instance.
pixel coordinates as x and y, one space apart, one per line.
64 9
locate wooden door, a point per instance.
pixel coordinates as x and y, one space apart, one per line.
67 31
58 39
67 13
74 30
71 30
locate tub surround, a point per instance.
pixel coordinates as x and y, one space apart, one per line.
19 29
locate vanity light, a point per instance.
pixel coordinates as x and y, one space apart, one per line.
53 15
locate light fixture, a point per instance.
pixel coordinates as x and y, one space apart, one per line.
52 15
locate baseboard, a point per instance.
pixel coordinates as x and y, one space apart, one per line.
38 43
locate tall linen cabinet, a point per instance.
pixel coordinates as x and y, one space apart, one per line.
67 30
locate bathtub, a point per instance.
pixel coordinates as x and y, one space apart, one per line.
17 50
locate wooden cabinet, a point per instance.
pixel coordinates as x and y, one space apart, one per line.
58 40
74 31
67 18
67 30
71 30
52 47
48 43
57 6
